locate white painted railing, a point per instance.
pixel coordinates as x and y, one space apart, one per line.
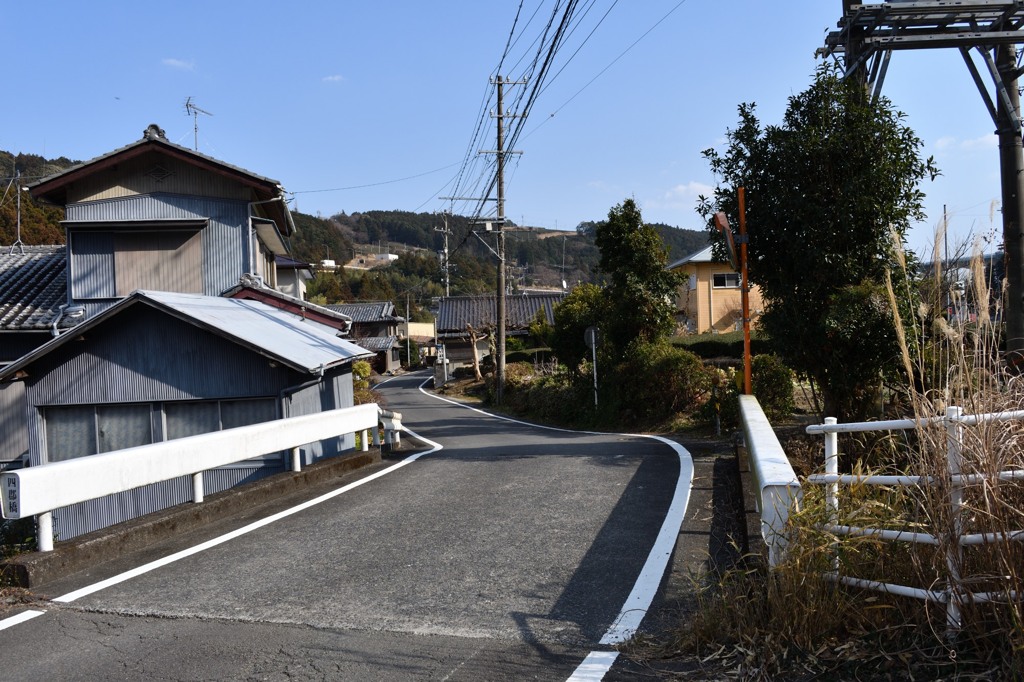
37 491
954 593
778 490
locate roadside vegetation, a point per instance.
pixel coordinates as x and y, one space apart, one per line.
856 328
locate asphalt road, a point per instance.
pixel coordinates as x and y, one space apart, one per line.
512 552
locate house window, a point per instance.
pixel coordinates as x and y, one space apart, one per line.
83 430
725 280
192 418
693 282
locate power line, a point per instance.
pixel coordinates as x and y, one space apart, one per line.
377 184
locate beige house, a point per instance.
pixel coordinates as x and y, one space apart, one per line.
710 300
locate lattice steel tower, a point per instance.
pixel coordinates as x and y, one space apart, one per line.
987 33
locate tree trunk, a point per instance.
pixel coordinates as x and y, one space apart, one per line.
473 338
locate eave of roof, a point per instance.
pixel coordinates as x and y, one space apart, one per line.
269 331
705 255
296 306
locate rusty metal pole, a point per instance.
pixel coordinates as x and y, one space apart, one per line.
745 293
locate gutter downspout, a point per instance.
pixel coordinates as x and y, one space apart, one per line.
249 245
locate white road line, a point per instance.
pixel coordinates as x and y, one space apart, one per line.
646 587
594 667
20 618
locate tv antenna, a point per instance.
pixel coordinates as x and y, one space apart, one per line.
192 110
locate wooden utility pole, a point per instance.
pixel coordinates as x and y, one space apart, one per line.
499 364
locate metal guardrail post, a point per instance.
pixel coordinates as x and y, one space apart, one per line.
44 531
832 489
197 487
954 552
296 460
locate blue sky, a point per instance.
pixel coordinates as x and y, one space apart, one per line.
357 106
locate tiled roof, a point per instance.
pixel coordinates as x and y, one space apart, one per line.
376 343
379 311
33 285
480 312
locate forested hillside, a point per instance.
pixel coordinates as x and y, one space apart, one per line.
536 257
40 224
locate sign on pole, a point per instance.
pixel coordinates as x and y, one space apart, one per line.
592 337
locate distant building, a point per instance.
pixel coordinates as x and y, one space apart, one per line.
710 299
375 327
456 314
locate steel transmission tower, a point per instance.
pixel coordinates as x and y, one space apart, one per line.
987 33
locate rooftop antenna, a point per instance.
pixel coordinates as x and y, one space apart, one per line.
18 244
192 110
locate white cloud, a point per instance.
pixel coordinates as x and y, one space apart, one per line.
689 190
179 64
333 79
982 143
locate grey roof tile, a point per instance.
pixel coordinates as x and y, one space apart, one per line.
33 285
377 311
480 311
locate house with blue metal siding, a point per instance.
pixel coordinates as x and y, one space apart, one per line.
155 322
157 366
155 215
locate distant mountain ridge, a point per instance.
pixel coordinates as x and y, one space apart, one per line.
536 256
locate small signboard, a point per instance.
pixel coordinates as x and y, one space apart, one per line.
10 503
592 337
722 223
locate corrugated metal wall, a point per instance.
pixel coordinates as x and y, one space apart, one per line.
13 422
151 356
85 517
334 392
155 173
224 238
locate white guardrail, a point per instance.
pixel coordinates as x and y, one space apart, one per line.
38 490
778 489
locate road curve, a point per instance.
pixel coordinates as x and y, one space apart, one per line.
512 551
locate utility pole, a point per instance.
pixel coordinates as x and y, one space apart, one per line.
444 254
499 365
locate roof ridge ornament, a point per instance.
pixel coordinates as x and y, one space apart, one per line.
154 132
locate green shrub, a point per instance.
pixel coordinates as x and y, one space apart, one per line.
772 383
729 345
655 382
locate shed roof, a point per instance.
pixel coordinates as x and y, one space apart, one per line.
456 312
304 345
377 343
33 285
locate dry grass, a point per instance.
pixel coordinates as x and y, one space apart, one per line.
791 623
